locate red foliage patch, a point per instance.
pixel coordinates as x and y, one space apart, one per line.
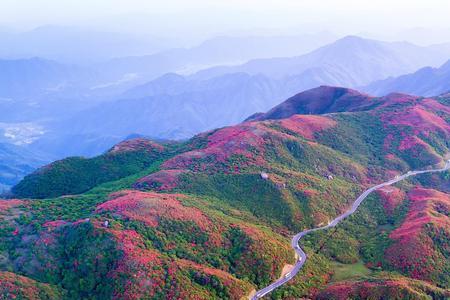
137 266
417 148
13 286
413 250
131 243
420 119
390 156
435 105
7 204
417 118
379 289
146 272
421 212
162 180
410 142
307 125
245 139
391 198
54 224
399 98
310 193
207 270
150 207
343 290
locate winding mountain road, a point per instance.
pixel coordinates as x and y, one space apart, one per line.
302 255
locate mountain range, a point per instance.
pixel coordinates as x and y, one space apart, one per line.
84 110
177 107
214 52
38 76
16 162
427 81
213 215
34 77
351 61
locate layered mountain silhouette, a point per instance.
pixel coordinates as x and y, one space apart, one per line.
351 61
217 51
427 81
85 110
175 106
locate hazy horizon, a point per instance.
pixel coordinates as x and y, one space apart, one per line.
187 24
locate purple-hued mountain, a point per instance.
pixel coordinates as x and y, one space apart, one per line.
427 81
351 61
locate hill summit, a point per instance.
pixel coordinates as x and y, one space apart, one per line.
321 100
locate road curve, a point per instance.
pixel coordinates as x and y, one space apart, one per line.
302 255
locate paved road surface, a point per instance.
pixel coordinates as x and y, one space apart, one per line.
302 255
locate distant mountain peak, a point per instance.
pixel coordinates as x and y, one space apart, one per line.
352 38
171 76
354 41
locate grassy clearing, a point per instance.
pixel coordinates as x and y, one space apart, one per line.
349 271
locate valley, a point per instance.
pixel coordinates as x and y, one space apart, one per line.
301 256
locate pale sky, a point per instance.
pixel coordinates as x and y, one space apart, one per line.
208 17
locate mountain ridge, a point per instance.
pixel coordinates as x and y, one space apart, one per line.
387 59
427 81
